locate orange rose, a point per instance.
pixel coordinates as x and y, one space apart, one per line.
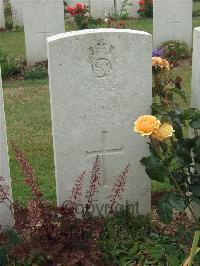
162 63
164 132
146 125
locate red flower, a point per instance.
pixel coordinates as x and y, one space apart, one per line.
69 9
77 9
141 2
80 6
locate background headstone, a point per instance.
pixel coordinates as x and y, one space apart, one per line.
195 94
99 7
17 12
6 219
98 80
172 20
196 69
132 10
42 18
2 18
73 2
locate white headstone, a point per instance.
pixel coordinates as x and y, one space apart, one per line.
2 18
196 69
100 81
17 12
42 18
6 219
99 7
73 2
172 20
195 93
132 10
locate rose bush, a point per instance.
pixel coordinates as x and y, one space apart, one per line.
115 19
80 13
173 155
146 8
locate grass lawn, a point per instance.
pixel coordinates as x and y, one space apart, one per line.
27 109
28 120
14 44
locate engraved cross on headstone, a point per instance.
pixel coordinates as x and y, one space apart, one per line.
174 23
103 153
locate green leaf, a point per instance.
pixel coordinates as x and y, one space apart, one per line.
195 123
167 203
178 111
3 256
186 144
182 157
190 113
156 109
165 212
156 252
195 189
183 152
134 249
176 123
154 168
173 261
197 142
176 202
154 91
180 93
196 150
179 176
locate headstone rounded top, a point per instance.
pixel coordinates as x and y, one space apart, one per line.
92 31
197 29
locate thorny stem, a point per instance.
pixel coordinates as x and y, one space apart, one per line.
185 198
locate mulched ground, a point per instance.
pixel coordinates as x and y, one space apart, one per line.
180 219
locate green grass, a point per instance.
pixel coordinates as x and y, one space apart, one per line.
28 120
196 6
13 43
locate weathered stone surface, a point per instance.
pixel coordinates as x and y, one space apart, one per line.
42 18
73 2
172 20
2 18
99 7
132 10
100 81
17 12
196 69
6 219
195 96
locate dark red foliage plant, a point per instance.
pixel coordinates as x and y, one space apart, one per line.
94 183
118 190
57 235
